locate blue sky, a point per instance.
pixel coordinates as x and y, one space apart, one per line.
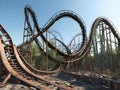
12 15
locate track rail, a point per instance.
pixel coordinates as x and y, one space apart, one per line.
53 19
16 68
92 34
16 65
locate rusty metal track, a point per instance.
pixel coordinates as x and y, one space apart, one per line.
36 71
15 64
16 68
53 19
94 29
88 47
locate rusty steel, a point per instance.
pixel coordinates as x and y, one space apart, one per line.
16 67
16 62
53 19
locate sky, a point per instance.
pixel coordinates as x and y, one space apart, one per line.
12 15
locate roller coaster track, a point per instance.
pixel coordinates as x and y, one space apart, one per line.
15 65
75 43
93 31
39 72
53 19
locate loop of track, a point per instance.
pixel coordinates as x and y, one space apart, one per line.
53 19
16 65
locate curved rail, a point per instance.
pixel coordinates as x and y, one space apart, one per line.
74 41
54 33
16 65
16 68
92 36
93 30
52 21
75 17
28 11
36 71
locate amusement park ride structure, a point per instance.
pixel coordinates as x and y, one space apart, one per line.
98 53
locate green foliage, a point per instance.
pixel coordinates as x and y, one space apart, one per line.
40 60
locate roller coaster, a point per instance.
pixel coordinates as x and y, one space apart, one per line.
99 53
